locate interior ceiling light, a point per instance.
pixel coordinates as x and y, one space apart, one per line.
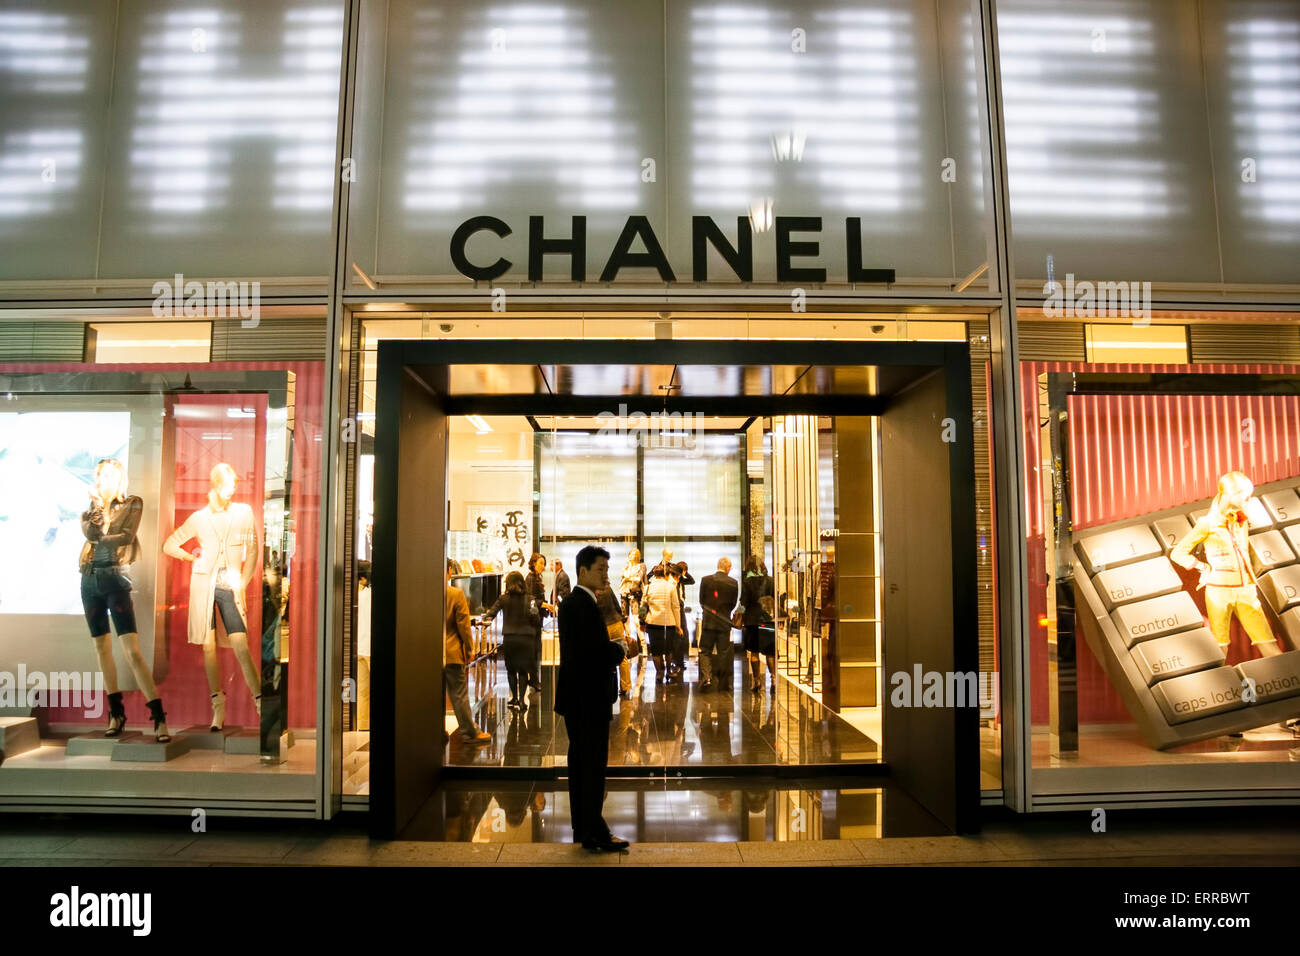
480 424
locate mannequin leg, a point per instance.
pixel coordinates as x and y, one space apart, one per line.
1218 608
239 644
771 671
211 665
107 666
1253 620
135 661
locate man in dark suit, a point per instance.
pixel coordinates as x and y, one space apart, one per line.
585 691
561 589
718 595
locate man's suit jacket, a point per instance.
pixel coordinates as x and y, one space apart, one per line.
718 593
562 588
587 685
458 643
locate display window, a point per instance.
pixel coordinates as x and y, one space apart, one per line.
159 599
1162 514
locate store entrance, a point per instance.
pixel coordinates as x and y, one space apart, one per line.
827 508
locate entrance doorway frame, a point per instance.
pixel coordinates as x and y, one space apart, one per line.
400 786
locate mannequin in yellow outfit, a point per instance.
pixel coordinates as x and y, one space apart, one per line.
1228 574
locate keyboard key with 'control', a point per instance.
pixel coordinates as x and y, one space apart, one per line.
1157 617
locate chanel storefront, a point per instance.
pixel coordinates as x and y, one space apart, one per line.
999 393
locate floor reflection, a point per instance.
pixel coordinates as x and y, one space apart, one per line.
677 811
667 725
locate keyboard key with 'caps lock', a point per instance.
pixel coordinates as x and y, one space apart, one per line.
1199 695
1171 530
1137 582
1283 505
1111 549
1177 654
1275 677
1156 617
1281 588
1271 550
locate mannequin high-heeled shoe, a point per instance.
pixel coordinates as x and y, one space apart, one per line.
160 733
116 716
218 711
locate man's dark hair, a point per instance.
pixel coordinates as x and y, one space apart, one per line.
588 555
452 567
363 570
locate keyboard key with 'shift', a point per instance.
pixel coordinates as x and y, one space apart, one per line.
1110 549
1271 550
1177 654
1275 677
1281 588
1137 582
1171 530
1283 505
1199 695
1156 617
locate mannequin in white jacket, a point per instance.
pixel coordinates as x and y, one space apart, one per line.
228 555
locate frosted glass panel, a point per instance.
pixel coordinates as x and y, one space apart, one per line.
1253 68
694 492
588 486
56 57
1107 146
222 155
852 126
670 110
517 109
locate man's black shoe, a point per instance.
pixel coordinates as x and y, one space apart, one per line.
612 845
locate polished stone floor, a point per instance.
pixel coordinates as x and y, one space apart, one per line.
1181 840
665 810
666 725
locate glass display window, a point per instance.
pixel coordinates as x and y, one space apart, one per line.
1164 515
160 543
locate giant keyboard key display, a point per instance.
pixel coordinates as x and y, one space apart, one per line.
1152 640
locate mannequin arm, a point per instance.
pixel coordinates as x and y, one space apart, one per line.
1182 555
130 525
172 546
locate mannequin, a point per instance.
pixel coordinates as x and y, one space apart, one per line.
110 527
1228 574
223 565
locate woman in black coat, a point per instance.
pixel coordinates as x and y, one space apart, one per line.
519 631
536 591
760 626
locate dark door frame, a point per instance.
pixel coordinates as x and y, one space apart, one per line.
412 399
